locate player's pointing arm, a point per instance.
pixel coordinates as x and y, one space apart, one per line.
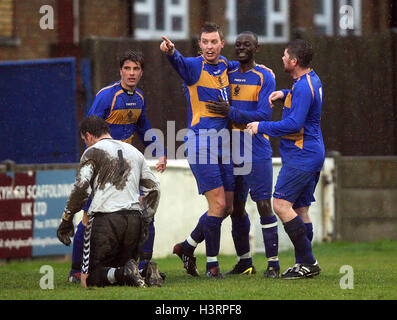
167 46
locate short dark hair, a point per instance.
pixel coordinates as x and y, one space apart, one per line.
209 27
253 34
134 56
302 51
94 125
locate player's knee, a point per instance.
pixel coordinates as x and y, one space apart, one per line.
228 210
284 210
218 207
264 208
238 209
303 212
97 278
221 205
278 206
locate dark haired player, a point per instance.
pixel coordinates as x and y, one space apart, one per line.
113 172
302 153
122 105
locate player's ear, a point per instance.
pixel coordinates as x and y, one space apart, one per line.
223 43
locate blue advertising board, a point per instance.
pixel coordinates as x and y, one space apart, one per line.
52 189
38 111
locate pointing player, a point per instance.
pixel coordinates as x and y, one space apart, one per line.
123 107
302 152
251 86
205 78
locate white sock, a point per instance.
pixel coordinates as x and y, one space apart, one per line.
111 276
212 259
244 256
190 241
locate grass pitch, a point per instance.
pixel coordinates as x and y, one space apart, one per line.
374 267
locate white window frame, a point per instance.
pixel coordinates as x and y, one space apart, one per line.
170 10
357 7
326 19
273 18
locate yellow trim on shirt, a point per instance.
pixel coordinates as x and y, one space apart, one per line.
310 84
143 99
297 137
114 84
114 99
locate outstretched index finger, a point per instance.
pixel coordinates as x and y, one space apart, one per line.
166 39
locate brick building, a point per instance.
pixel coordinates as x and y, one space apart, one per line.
275 21
355 43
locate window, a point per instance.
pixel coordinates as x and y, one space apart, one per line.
324 17
267 18
6 19
346 21
154 18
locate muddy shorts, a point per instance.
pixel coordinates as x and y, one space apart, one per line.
110 239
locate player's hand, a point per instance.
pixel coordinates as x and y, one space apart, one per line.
167 46
65 231
276 95
220 107
161 164
253 127
268 69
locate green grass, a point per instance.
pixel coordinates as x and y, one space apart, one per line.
374 265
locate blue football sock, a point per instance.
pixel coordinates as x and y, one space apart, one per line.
198 233
197 236
77 253
270 240
212 236
309 235
309 231
240 234
149 243
296 231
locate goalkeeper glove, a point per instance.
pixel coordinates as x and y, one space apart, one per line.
66 229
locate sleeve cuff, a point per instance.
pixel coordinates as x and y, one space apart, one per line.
285 91
262 127
67 216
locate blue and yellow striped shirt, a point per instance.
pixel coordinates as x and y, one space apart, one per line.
301 144
250 93
203 82
125 113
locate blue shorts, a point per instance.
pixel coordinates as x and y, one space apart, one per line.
259 182
296 186
210 161
212 176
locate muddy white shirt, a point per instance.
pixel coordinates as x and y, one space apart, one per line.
113 171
